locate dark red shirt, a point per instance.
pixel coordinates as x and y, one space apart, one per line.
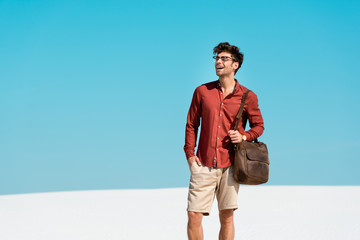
218 116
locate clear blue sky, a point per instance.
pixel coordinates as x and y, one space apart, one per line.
94 94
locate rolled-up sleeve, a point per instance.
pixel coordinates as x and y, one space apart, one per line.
192 124
253 113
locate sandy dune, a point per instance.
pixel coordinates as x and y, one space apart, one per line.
266 212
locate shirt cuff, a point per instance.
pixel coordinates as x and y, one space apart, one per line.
189 154
248 137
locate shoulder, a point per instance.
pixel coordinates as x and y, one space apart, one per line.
251 94
206 87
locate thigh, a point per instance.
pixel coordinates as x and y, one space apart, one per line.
201 189
227 194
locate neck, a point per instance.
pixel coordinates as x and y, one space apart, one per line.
227 82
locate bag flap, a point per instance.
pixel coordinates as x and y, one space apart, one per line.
256 151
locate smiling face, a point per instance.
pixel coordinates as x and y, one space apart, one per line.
227 67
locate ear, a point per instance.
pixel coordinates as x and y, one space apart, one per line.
235 65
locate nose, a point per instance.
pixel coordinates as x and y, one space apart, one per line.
218 62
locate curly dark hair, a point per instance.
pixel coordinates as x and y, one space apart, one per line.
233 50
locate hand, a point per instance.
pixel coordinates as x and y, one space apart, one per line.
235 136
194 159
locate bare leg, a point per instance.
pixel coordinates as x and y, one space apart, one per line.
227 230
194 227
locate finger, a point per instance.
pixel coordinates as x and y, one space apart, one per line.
235 136
235 140
198 161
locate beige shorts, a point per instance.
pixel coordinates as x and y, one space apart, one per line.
206 183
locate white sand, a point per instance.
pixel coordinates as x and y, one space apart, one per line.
266 212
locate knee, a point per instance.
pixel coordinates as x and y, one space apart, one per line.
226 216
195 218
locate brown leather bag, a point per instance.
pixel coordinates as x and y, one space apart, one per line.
251 162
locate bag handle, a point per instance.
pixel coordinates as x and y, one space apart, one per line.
238 116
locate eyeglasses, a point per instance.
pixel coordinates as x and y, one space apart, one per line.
223 58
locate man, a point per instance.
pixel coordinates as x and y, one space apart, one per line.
215 105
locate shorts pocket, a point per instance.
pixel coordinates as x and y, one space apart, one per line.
194 168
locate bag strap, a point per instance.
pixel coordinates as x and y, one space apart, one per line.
238 116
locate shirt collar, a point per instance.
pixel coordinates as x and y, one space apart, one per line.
235 87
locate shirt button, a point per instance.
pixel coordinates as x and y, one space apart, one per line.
220 114
218 126
217 149
220 92
222 103
214 158
218 138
